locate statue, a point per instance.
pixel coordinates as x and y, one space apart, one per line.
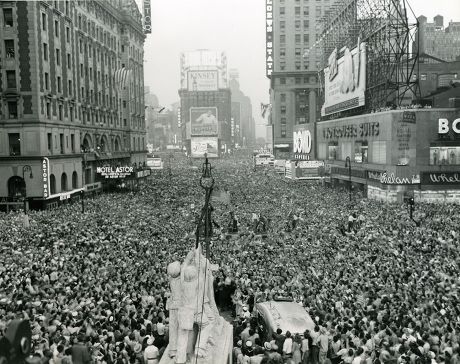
192 304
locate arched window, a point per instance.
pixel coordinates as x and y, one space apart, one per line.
16 187
87 144
74 180
63 182
52 184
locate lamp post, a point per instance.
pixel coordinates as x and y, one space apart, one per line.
207 183
25 169
348 164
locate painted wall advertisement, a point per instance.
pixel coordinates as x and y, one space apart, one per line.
203 80
269 37
345 80
404 135
203 121
202 145
45 177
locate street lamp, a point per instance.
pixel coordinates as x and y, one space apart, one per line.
348 164
25 169
207 183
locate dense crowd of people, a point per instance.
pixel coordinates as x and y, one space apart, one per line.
95 289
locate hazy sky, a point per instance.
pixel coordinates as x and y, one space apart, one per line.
234 26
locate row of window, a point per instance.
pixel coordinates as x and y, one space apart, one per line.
14 142
297 80
306 11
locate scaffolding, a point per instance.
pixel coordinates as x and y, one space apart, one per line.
392 61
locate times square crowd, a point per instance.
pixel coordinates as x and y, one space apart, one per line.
94 285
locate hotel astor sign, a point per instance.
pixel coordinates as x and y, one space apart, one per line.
115 172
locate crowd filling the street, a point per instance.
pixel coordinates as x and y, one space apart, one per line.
378 287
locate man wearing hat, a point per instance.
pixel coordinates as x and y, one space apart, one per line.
151 352
80 352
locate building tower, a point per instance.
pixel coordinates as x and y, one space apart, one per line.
72 95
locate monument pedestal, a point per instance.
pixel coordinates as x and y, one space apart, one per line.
219 353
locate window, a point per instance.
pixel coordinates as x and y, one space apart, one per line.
61 143
70 87
297 24
306 24
48 110
58 56
67 34
297 38
283 121
379 152
332 151
50 142
47 81
306 11
298 52
43 21
306 39
318 10
283 97
71 113
60 109
45 51
72 143
282 65
283 130
298 80
297 11
282 39
282 25
283 109
14 143
68 61
444 156
56 28
8 17
282 10
13 109
67 141
9 48
282 52
282 81
10 79
361 149
297 65
59 84
423 77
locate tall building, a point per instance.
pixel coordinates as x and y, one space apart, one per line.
243 127
435 40
72 95
205 103
292 28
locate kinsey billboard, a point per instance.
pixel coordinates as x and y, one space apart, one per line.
205 80
405 137
269 37
202 145
345 80
203 121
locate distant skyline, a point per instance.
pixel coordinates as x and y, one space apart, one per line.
236 27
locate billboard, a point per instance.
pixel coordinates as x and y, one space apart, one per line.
345 80
202 80
203 121
303 146
202 145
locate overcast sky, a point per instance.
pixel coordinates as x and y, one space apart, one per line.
234 26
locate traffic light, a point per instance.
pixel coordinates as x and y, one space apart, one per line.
411 201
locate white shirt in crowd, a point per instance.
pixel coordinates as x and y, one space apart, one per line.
287 346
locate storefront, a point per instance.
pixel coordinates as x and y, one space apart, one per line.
395 154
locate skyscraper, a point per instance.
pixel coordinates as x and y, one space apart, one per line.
72 95
292 28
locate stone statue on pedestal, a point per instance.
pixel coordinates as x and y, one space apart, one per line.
192 305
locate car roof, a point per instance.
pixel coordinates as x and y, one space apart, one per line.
288 316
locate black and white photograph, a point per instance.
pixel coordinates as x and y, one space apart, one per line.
230 182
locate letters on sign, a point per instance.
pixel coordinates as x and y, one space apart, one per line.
392 179
443 126
269 37
302 141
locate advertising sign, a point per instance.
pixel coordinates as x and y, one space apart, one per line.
269 37
444 126
202 80
203 121
45 177
147 17
203 145
441 178
392 179
404 135
345 80
115 172
308 169
303 143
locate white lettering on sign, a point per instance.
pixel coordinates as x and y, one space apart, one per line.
269 37
302 141
443 178
45 177
443 126
391 179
